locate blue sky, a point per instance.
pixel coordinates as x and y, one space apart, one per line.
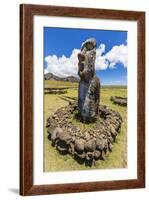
61 46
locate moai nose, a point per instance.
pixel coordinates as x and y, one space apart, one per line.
81 56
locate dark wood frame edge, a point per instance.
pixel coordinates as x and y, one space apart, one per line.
26 99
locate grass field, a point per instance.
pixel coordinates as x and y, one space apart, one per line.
53 161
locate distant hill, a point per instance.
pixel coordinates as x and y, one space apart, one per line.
50 76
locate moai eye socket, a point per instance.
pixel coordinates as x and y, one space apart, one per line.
89 46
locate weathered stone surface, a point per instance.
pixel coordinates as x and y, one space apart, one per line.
89 85
119 100
90 145
79 145
97 154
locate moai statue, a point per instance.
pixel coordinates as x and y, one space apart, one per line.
89 85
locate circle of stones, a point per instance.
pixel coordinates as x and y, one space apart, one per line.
87 145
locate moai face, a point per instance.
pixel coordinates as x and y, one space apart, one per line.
86 59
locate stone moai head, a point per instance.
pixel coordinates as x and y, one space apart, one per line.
86 59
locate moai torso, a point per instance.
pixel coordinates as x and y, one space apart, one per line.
89 86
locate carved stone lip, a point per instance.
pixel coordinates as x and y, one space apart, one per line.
81 65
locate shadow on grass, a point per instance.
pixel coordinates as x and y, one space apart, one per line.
87 120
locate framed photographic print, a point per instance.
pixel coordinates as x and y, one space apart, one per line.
82 99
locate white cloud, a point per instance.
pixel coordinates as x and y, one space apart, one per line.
118 54
68 66
63 66
101 62
45 71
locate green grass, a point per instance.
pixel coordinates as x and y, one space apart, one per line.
58 84
53 161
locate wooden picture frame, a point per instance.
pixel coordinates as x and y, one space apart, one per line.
27 12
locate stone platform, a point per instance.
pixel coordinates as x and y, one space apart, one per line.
119 100
86 145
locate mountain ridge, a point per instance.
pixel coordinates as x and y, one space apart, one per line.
50 76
